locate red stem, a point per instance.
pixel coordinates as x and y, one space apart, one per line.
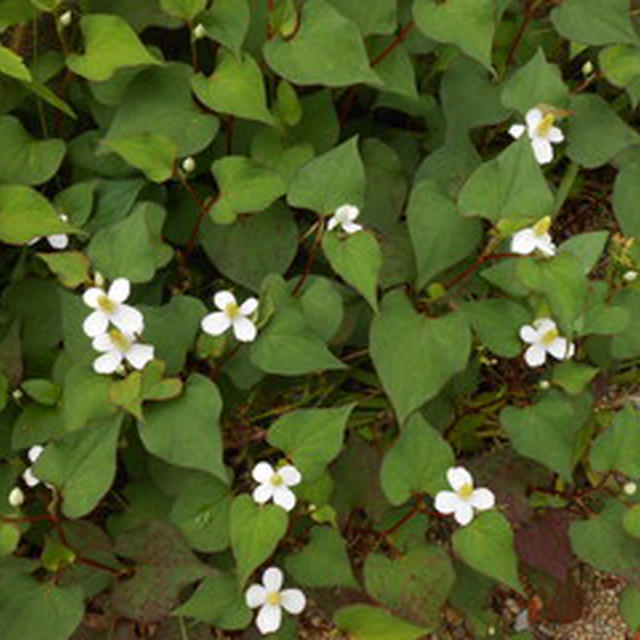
488 257
403 33
311 259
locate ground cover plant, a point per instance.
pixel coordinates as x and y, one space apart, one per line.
316 316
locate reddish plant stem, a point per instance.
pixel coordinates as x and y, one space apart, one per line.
38 518
405 518
311 259
402 34
529 7
488 257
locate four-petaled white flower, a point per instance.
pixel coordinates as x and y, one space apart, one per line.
109 307
33 454
274 484
117 346
55 240
344 216
527 240
543 336
541 132
231 314
271 599
464 498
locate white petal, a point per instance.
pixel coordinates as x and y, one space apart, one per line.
351 227
555 135
224 298
542 150
284 498
262 493
103 342
351 212
533 119
559 348
35 452
248 306
482 499
107 362
90 297
269 619
29 478
272 579
546 245
119 290
523 242
535 355
127 319
262 472
464 513
529 334
34 241
255 596
571 351
95 323
516 130
333 223
58 240
216 323
458 477
138 355
544 324
293 601
446 502
244 330
290 475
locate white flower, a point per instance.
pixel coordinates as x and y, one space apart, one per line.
345 216
526 241
271 599
188 164
464 498
109 307
275 484
199 32
56 240
33 454
16 497
117 346
231 315
544 338
541 132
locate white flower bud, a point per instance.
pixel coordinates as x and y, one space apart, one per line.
630 276
98 280
16 497
544 385
199 32
630 488
491 631
587 68
188 164
66 18
17 394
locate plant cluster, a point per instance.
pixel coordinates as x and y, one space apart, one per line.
316 312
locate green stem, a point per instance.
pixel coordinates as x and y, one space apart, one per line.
565 187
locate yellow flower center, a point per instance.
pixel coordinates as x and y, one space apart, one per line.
545 125
276 480
120 341
106 304
465 491
232 310
542 226
274 599
550 336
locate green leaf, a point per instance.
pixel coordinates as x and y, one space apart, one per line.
356 258
227 22
620 65
626 192
28 606
617 448
186 431
132 247
486 545
364 622
631 521
42 391
573 377
324 562
153 153
325 49
201 512
110 44
547 431
379 16
415 355
10 535
11 64
537 82
255 532
236 87
82 466
511 185
417 462
245 187
312 438
321 305
24 159
185 9
330 180
630 607
596 132
587 247
71 267
595 22
439 235
219 602
469 24
253 246
414 586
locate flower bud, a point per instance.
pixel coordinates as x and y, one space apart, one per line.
98 279
66 18
16 497
630 488
587 68
544 385
199 32
17 394
188 164
630 276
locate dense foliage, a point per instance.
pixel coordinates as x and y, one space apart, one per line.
316 312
